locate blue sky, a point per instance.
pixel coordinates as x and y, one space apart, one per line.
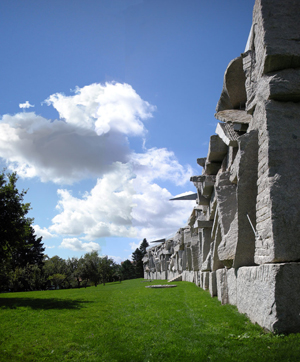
124 95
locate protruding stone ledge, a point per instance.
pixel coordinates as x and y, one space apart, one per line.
204 224
233 116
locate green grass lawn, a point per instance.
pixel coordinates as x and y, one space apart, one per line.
128 322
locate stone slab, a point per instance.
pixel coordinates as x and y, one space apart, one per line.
213 284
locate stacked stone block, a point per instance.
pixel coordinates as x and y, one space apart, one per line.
242 239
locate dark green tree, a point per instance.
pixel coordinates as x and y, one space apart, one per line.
55 272
92 267
128 270
15 225
30 252
143 247
137 257
106 269
21 252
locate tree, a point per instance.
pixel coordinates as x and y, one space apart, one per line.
14 226
92 267
21 252
30 252
137 257
128 270
55 271
106 269
144 246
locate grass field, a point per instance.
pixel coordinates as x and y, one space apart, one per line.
128 322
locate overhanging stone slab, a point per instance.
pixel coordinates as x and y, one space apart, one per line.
227 133
205 223
234 116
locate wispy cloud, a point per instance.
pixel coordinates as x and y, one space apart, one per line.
25 105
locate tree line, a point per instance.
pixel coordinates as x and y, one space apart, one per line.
23 264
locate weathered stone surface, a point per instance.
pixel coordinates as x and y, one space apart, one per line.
195 247
204 224
246 199
227 134
213 284
278 187
226 201
233 95
228 245
281 43
222 290
274 46
258 181
164 275
201 161
212 168
202 200
231 275
234 116
216 263
270 295
217 149
188 276
205 280
197 278
206 265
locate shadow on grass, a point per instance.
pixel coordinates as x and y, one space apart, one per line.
40 303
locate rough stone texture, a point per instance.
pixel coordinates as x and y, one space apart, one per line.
279 184
270 295
274 43
195 247
212 168
231 275
201 279
164 275
217 149
234 116
206 265
222 290
253 265
205 282
227 203
188 276
201 161
278 28
197 278
213 284
227 134
246 199
233 95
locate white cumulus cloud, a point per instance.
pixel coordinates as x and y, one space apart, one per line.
44 232
77 245
127 202
86 142
105 211
103 108
91 140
